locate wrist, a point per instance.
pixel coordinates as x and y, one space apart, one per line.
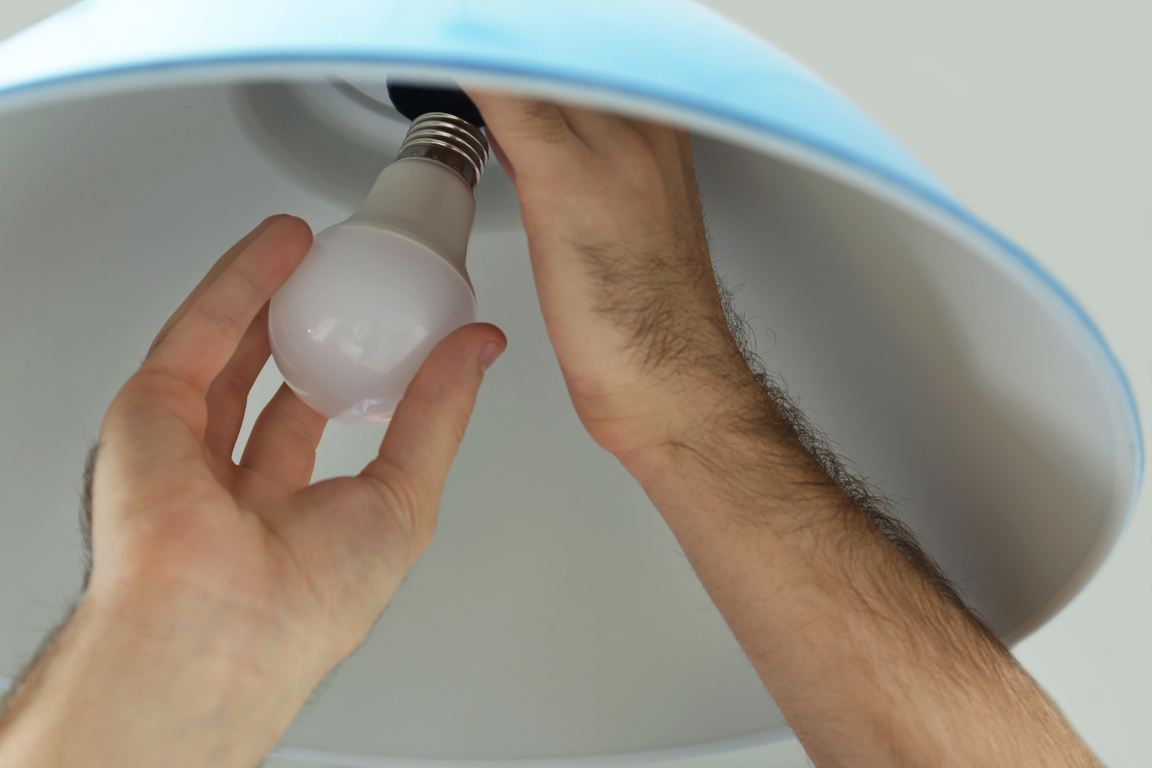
107 693
717 427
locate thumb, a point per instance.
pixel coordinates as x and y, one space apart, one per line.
429 423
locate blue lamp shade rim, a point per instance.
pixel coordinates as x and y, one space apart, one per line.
917 194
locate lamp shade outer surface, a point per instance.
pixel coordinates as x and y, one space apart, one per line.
554 616
669 50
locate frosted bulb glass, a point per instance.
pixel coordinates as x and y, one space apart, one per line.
354 322
356 319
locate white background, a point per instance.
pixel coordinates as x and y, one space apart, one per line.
1038 116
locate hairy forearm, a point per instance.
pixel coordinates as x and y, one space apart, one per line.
106 693
869 654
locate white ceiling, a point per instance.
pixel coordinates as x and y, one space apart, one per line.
1037 117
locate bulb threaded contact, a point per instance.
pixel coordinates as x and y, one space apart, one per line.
449 140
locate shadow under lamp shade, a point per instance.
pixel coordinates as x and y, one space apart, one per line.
553 617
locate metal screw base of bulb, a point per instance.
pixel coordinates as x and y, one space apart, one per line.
449 140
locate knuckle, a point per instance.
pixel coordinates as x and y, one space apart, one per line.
296 428
453 409
233 381
151 392
544 123
640 147
225 322
158 341
459 425
257 285
401 504
219 445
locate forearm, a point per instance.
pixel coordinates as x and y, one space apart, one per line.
107 694
871 663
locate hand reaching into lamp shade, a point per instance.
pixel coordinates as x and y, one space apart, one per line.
620 258
222 593
868 650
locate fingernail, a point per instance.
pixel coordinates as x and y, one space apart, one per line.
488 354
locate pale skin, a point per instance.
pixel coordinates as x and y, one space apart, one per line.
221 594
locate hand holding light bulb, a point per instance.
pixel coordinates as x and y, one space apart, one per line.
221 592
374 295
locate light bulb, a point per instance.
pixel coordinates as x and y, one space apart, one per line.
352 325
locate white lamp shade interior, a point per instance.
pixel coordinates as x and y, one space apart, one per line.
554 615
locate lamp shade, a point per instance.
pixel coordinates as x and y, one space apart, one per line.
554 616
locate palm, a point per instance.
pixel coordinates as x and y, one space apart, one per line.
181 528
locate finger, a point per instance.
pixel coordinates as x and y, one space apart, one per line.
624 138
611 133
683 149
502 158
684 143
523 119
691 183
603 131
631 148
213 274
201 342
429 424
282 446
534 135
663 137
228 396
